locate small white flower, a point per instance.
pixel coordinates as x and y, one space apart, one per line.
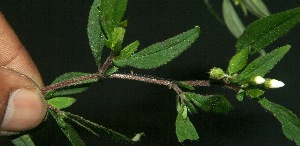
258 80
273 83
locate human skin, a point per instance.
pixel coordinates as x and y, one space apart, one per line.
22 106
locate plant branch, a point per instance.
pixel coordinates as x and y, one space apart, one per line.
73 81
68 83
106 64
173 84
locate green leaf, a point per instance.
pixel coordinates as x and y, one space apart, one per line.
128 51
289 121
184 128
191 107
67 129
98 129
256 7
61 102
210 103
240 95
94 31
184 85
111 14
238 62
23 140
117 38
161 53
263 64
232 20
264 31
254 92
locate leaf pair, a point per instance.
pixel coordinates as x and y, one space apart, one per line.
257 36
214 103
258 67
103 22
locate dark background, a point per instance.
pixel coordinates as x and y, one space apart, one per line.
54 33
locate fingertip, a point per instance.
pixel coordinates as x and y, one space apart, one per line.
26 109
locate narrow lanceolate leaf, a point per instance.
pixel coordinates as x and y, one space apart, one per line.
160 53
94 31
263 64
67 129
238 61
256 7
210 103
232 20
98 130
23 140
61 102
111 14
289 121
264 31
184 128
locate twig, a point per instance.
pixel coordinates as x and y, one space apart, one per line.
73 81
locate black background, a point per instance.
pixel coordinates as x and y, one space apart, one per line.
54 33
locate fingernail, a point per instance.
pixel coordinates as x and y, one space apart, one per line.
25 110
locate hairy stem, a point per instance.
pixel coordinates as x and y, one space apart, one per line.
68 83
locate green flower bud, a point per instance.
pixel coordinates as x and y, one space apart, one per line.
216 73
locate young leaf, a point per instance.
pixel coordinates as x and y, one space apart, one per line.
94 31
184 128
111 13
116 40
263 64
184 85
68 130
98 129
254 92
213 103
289 121
240 95
264 31
61 102
256 7
160 53
238 61
23 140
128 51
232 20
